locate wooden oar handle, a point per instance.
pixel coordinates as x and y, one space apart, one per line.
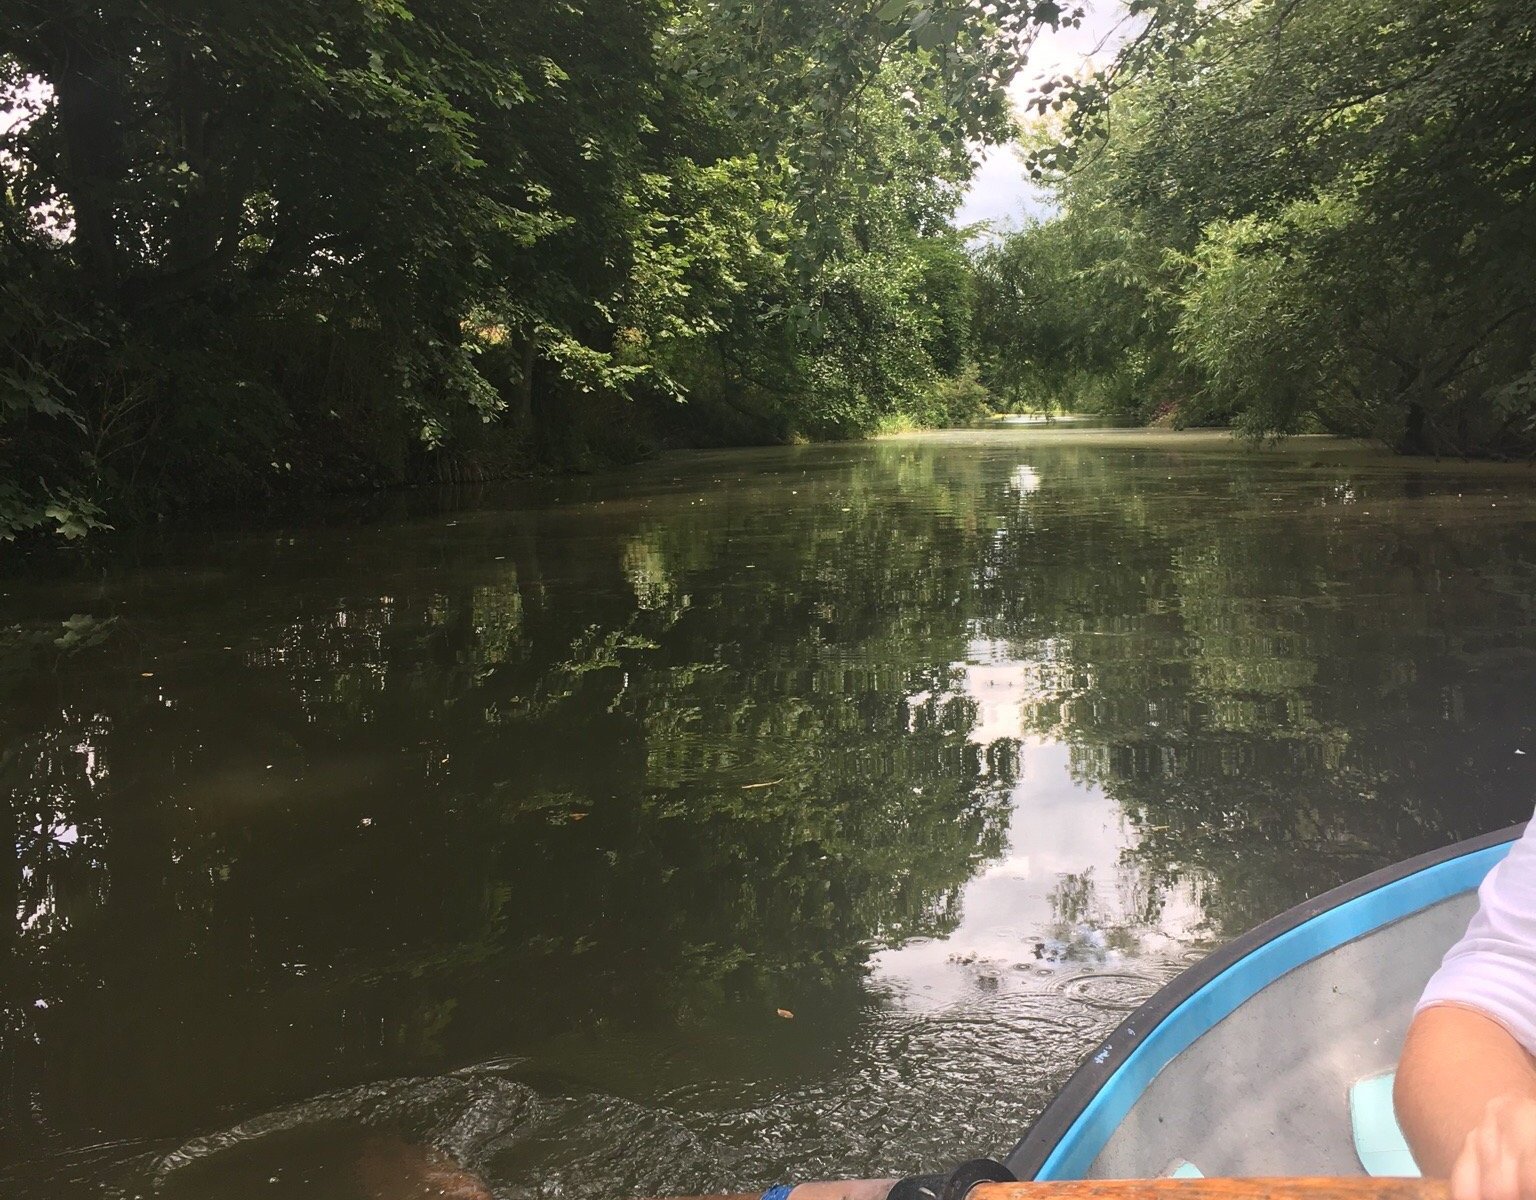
1260 1188
1304 1188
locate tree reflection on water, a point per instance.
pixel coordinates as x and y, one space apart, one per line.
293 813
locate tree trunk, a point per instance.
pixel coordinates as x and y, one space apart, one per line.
91 100
522 399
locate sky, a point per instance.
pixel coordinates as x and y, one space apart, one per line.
1000 192
18 104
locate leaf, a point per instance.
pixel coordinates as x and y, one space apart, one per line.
930 36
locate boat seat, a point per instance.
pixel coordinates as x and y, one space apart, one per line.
1379 1141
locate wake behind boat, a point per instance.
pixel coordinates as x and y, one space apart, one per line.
1273 1057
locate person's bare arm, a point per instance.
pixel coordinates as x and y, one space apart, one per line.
1466 1099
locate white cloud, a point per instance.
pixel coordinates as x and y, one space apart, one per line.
1001 192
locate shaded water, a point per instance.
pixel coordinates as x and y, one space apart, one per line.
511 828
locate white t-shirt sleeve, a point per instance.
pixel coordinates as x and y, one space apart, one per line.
1493 967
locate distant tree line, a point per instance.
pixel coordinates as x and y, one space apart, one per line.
279 245
1288 215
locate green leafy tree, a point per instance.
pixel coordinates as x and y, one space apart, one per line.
275 247
1325 212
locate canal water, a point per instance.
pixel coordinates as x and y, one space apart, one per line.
742 817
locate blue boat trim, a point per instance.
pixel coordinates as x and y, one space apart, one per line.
1075 1127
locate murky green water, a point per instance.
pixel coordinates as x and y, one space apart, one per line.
511 827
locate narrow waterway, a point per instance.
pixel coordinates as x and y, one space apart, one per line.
745 816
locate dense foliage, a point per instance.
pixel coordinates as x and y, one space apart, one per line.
1297 216
275 245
